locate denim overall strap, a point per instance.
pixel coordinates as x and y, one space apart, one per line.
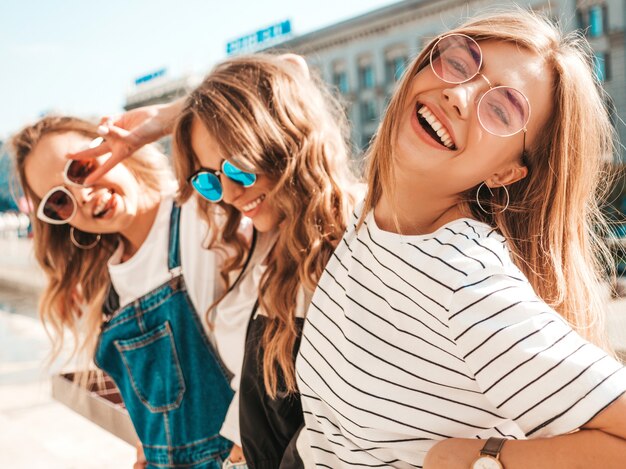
172 382
112 299
173 258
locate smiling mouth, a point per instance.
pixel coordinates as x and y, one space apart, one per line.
433 127
254 204
105 204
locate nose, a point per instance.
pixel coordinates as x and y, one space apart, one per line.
462 97
83 195
231 190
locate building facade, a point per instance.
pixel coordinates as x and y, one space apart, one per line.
160 90
364 57
7 200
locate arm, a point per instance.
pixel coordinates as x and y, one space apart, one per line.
601 443
141 462
127 133
583 449
540 374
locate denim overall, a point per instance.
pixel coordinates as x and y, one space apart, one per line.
173 384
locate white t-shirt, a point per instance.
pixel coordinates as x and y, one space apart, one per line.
413 339
148 268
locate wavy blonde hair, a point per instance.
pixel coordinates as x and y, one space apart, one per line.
553 225
78 280
285 125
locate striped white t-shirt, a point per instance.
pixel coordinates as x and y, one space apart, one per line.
413 339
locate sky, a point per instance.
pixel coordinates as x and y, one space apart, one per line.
81 57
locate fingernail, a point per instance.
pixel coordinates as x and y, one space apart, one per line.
103 130
97 141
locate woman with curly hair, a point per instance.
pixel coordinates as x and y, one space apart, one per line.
260 139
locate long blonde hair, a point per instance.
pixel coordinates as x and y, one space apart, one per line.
278 122
553 224
78 279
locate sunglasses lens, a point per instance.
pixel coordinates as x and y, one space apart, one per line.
456 58
237 175
78 170
58 206
503 111
208 186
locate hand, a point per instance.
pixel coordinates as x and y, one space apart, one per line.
236 454
141 462
126 133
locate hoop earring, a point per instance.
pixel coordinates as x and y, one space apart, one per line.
508 199
83 246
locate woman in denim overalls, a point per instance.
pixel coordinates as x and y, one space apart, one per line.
154 347
173 385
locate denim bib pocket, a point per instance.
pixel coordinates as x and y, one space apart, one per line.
154 369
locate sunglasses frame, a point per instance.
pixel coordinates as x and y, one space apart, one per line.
66 179
40 209
45 218
217 173
491 87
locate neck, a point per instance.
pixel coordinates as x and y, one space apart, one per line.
137 232
416 211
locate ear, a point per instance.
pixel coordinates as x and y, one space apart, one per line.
508 176
297 60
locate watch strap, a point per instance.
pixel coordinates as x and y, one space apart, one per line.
493 446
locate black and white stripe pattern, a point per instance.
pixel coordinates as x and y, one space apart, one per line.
412 339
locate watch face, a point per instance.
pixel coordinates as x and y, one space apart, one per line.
487 462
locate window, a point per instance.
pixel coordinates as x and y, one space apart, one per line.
366 76
368 111
340 80
395 68
580 19
366 140
597 20
601 65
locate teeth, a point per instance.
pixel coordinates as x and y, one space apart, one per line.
436 125
104 200
252 205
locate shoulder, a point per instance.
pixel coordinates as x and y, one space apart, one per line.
472 247
193 232
190 214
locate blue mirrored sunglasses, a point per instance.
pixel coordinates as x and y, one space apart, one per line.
207 181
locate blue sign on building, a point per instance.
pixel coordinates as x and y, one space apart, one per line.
150 76
252 41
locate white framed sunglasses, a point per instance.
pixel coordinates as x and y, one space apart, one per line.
58 206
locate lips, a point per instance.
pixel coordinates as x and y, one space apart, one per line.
104 204
431 124
248 208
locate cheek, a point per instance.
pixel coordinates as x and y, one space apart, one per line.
125 180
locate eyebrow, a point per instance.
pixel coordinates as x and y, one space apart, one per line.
513 99
509 96
476 52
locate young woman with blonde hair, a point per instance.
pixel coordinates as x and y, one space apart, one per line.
465 301
261 139
127 276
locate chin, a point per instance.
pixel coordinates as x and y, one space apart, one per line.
263 224
262 227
